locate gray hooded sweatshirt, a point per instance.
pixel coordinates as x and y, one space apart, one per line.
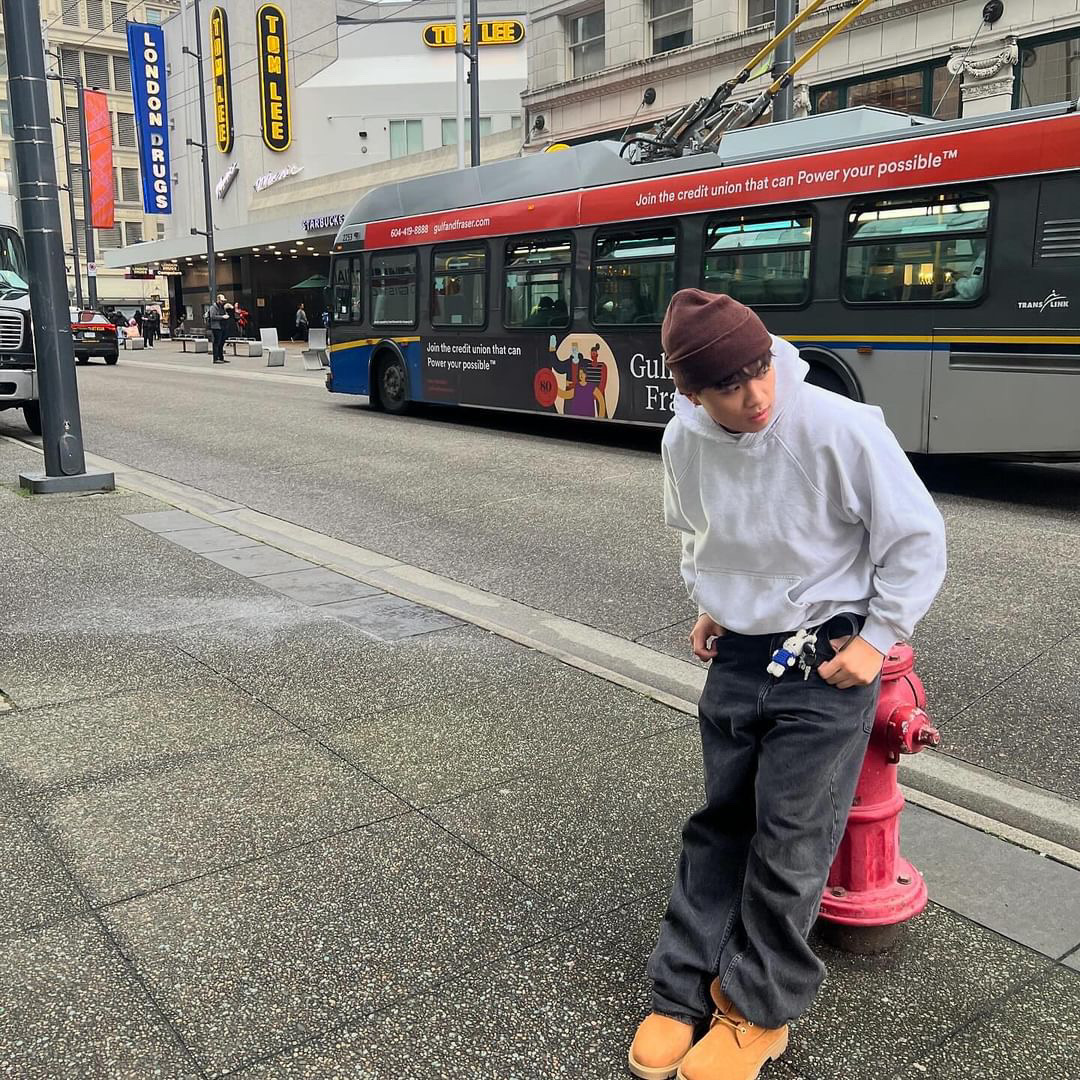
819 513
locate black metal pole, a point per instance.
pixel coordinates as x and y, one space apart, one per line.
71 203
211 265
65 462
91 263
785 57
474 82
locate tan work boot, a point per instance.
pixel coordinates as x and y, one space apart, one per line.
659 1047
735 1048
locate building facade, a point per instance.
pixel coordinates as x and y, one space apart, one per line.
369 95
86 38
590 61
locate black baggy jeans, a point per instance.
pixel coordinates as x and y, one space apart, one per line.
782 759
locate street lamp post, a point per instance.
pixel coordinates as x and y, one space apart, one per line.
211 264
65 461
785 57
62 121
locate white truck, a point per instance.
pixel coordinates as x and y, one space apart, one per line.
18 376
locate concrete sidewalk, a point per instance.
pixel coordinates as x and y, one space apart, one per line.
262 820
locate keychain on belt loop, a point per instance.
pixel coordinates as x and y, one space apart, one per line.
799 649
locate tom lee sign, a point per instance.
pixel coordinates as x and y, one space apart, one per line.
272 46
222 79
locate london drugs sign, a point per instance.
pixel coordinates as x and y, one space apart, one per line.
272 44
146 53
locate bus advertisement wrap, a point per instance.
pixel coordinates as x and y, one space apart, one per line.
1035 147
146 51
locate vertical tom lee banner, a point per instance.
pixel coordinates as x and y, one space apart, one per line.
222 72
273 45
146 50
99 149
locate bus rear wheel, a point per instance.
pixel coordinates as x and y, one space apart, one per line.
392 384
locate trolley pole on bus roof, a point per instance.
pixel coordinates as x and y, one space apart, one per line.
65 462
459 58
474 82
785 57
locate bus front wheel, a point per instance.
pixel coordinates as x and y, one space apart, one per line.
819 375
392 384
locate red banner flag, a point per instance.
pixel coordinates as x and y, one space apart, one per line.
99 143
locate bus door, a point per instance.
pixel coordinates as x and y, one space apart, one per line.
1004 392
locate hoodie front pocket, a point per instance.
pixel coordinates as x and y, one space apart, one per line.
747 601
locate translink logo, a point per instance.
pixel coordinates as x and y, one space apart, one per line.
1053 300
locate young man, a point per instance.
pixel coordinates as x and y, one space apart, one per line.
218 317
799 512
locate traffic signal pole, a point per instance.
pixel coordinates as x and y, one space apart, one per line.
65 462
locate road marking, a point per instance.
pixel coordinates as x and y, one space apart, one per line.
315 381
1016 812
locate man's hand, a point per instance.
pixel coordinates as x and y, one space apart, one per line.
858 664
704 630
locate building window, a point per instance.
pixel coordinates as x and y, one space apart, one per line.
133 232
77 182
5 119
459 286
633 276
159 230
449 129
760 259
393 288
153 16
760 12
671 24
586 36
71 122
919 90
538 282
70 13
69 64
1049 71
119 17
97 70
121 74
406 137
95 14
125 129
922 248
109 238
129 187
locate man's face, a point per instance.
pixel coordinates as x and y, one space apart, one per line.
743 407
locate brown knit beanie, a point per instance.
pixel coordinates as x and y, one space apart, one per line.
707 338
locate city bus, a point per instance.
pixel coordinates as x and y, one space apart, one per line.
931 268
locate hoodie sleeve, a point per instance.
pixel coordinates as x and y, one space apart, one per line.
673 516
907 534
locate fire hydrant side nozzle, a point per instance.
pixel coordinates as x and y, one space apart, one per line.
872 890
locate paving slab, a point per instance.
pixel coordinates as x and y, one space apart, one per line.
160 521
209 538
1033 1034
565 1008
128 836
35 886
136 731
253 960
875 1014
995 883
50 667
1072 961
317 586
257 561
390 618
593 834
71 1009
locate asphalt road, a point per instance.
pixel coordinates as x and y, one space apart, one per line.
566 518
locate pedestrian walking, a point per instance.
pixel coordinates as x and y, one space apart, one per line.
301 333
218 317
810 546
151 327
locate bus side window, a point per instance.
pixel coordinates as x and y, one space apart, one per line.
459 286
348 289
760 260
922 248
538 275
393 288
633 275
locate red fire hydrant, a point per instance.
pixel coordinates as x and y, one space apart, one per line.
872 891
